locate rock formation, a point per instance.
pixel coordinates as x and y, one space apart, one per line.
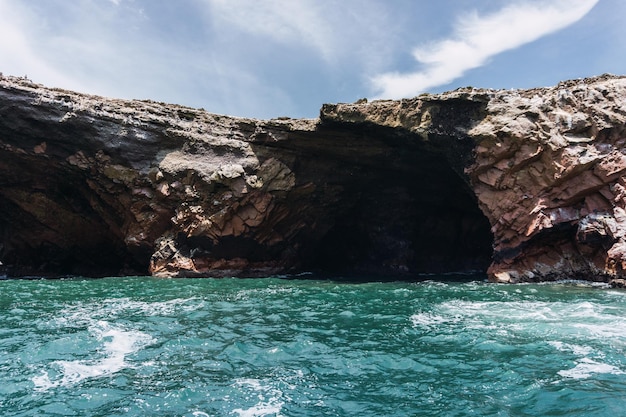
527 185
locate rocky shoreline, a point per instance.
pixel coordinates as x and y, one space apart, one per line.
528 185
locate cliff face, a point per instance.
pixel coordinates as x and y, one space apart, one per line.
525 183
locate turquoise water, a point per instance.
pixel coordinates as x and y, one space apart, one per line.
272 347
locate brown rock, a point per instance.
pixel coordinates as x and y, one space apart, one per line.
524 184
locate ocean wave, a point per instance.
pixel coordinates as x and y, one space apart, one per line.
202 347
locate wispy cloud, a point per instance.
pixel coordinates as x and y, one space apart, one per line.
335 31
300 22
476 39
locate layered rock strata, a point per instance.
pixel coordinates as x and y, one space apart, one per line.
529 185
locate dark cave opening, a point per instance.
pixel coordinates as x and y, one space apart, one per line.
82 247
49 227
402 231
417 216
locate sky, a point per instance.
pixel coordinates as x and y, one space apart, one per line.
275 58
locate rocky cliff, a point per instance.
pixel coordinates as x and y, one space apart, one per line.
529 185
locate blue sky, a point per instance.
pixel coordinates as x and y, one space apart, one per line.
271 58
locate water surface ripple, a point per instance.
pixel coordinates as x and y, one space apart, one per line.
272 347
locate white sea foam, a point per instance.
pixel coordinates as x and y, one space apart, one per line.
535 311
259 410
83 314
117 343
499 316
526 310
429 320
270 399
584 320
611 329
161 308
575 349
587 367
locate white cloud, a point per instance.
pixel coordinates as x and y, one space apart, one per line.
341 33
476 39
299 22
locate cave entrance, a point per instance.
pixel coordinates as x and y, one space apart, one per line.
407 222
49 227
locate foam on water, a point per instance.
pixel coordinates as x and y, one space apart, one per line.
587 367
79 314
579 321
588 363
270 402
575 349
116 344
524 310
430 320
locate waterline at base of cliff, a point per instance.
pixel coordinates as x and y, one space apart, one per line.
269 347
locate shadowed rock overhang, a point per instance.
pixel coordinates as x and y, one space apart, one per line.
522 184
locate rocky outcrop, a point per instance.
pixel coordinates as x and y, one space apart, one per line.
528 185
556 196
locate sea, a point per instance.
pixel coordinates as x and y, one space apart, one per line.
309 346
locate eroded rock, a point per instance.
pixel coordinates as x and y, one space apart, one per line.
530 185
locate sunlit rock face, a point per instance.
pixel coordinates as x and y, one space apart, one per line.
525 184
549 174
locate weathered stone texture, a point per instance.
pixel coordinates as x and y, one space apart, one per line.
530 184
